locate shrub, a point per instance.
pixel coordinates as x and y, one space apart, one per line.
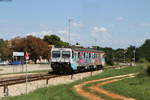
148 70
143 60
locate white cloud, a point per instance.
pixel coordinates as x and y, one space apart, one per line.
120 18
100 34
77 24
39 34
99 29
63 34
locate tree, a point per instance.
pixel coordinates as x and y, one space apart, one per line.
109 55
144 50
36 47
5 52
2 43
52 39
55 40
119 55
130 53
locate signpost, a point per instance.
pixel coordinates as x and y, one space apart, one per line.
27 58
20 54
26 55
17 54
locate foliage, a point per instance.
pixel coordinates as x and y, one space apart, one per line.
119 55
143 60
109 55
144 50
2 43
5 51
145 71
36 47
55 40
148 70
130 52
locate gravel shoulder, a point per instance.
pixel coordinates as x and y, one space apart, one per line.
19 89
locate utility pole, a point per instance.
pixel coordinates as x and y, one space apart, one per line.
134 55
124 57
95 43
69 25
26 58
26 78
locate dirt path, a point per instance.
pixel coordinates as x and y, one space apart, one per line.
91 96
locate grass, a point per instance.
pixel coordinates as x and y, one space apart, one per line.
136 87
66 91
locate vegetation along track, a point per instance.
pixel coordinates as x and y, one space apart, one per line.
91 96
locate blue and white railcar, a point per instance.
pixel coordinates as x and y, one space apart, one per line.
74 59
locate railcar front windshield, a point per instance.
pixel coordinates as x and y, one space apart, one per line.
66 54
55 54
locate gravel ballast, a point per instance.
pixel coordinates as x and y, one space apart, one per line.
19 89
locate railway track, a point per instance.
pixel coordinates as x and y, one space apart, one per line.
22 79
5 82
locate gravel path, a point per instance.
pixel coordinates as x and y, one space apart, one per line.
21 88
91 96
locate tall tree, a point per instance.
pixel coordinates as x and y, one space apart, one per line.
2 43
36 47
55 40
5 51
130 53
144 50
109 55
119 55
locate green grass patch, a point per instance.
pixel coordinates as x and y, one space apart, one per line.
66 91
138 88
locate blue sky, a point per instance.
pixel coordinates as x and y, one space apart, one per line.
107 23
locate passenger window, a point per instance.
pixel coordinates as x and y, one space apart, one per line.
73 54
78 54
92 55
84 54
95 55
89 55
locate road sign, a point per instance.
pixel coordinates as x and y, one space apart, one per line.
18 53
27 56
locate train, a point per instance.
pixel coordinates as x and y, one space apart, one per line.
70 60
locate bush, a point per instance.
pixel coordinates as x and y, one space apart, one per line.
144 72
143 60
110 63
148 71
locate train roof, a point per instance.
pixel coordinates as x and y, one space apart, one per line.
80 50
88 50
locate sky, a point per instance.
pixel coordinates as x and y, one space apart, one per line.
105 23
